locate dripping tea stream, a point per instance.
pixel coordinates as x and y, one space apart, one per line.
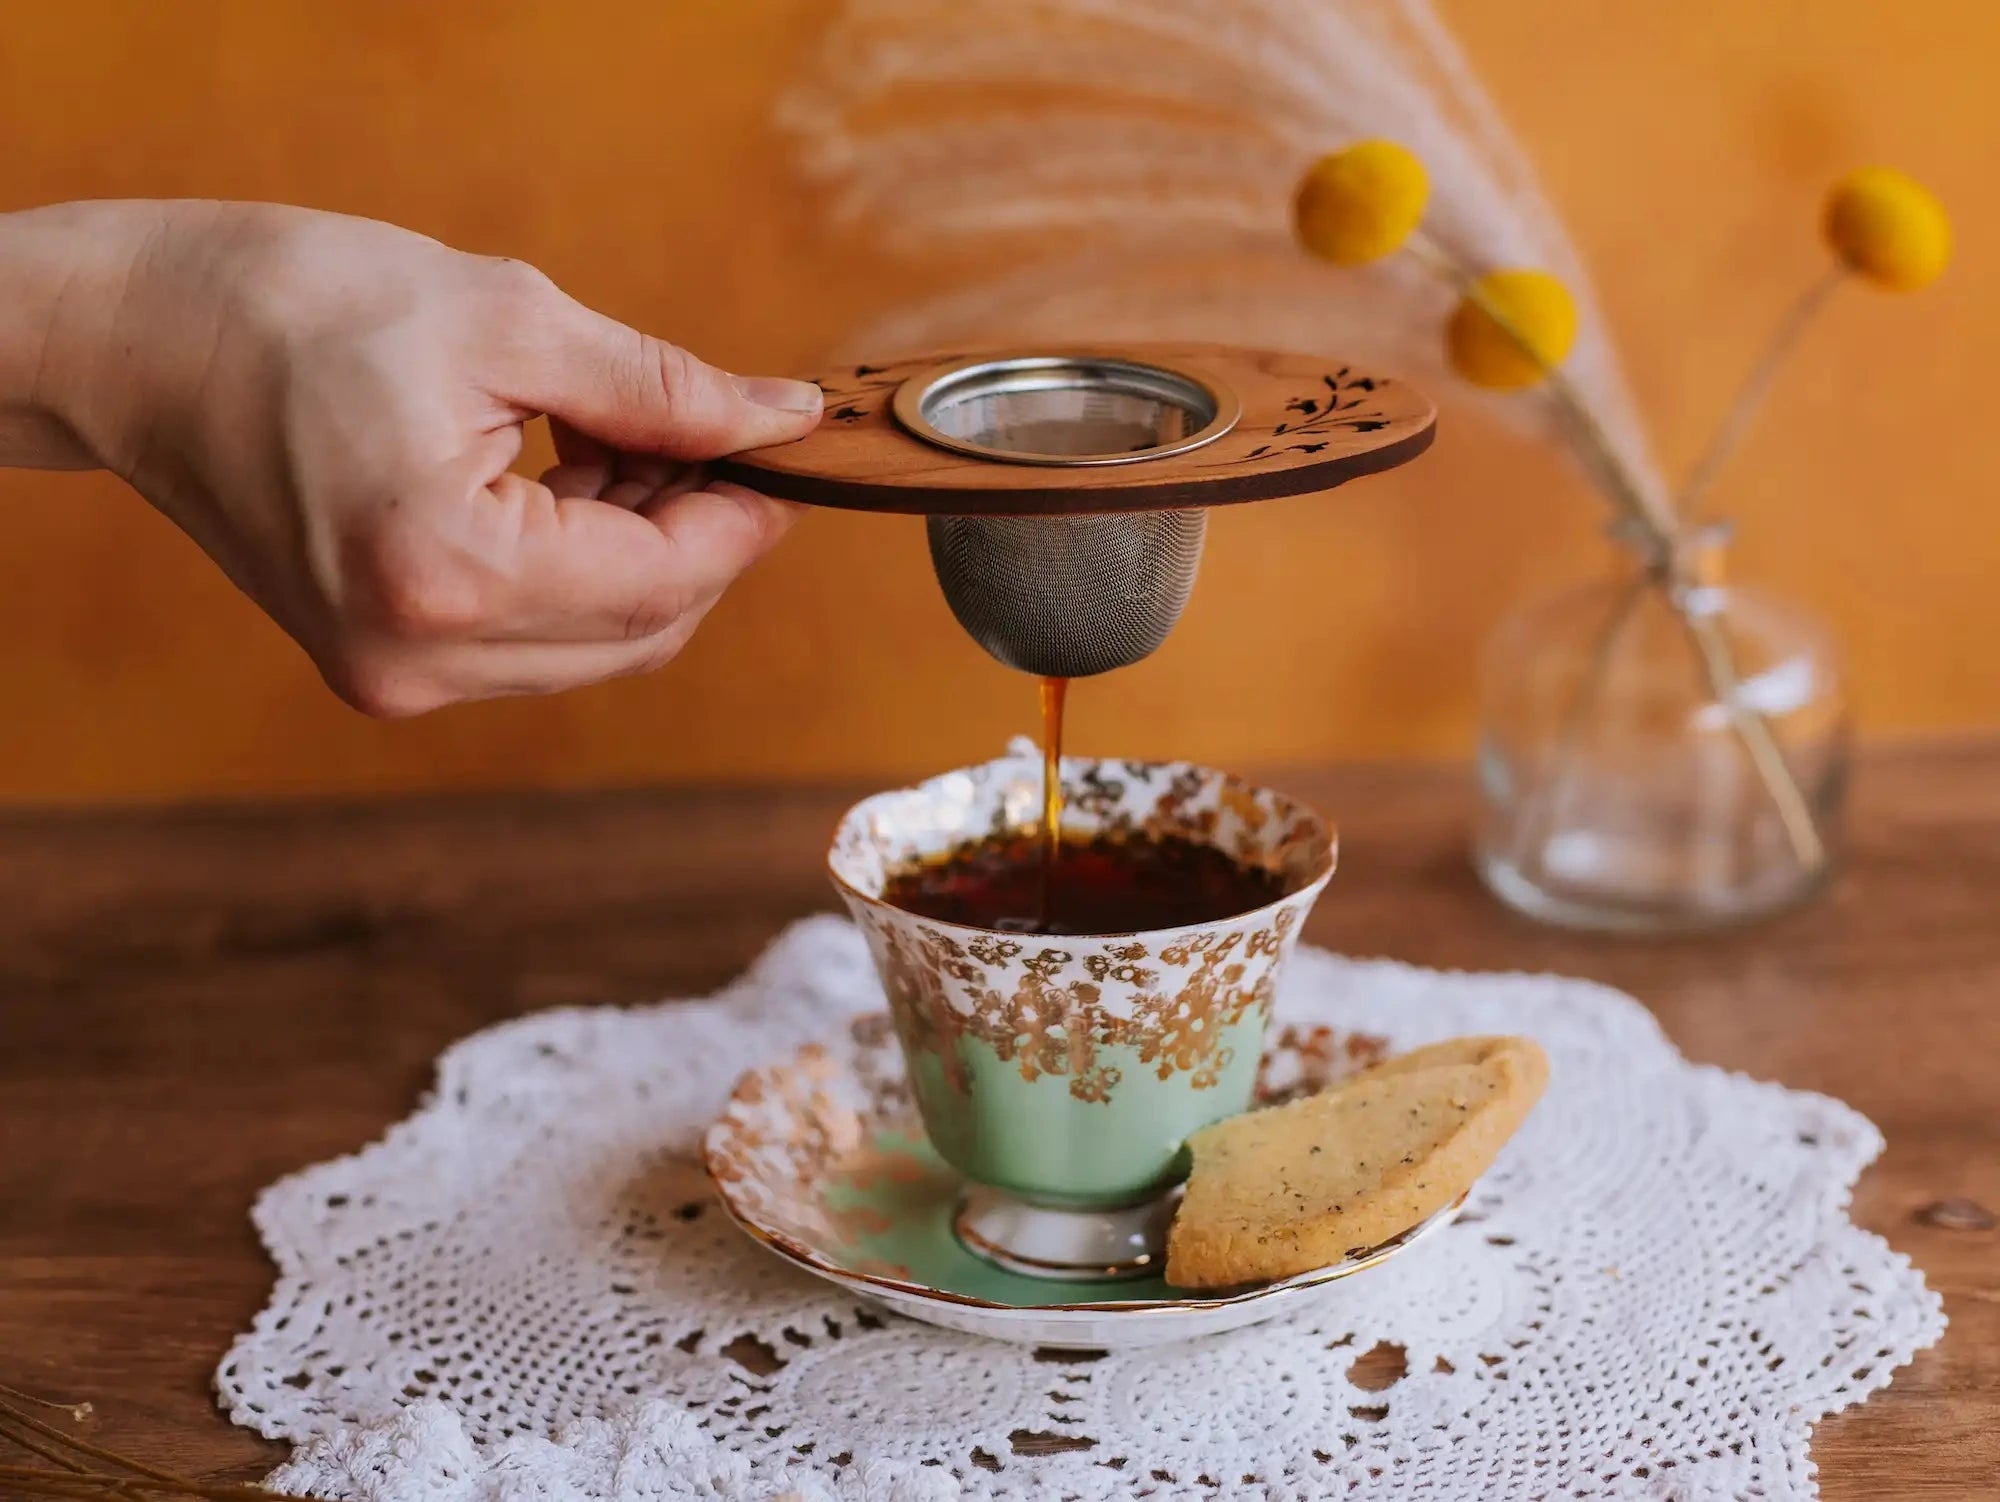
1054 692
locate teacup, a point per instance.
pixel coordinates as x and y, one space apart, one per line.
1062 1075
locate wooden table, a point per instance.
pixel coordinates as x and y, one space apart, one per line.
194 1003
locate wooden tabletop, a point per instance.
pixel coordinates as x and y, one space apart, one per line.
194 1003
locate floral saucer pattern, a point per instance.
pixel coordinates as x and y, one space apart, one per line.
821 1158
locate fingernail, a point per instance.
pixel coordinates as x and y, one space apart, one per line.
776 391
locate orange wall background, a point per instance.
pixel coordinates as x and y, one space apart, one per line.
622 146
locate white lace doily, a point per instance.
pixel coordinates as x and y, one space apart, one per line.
524 1291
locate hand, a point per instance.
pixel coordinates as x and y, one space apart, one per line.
329 407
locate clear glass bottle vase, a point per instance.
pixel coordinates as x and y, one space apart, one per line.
1661 750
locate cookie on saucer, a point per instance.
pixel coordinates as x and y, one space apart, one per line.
1301 1186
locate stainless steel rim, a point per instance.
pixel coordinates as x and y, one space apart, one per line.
922 396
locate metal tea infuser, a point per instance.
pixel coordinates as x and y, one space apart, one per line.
1066 491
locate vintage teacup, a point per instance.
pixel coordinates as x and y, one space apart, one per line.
1062 1075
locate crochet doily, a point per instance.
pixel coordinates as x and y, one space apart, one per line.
525 1291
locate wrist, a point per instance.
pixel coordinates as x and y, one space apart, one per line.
65 273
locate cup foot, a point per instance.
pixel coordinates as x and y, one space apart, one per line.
1070 1246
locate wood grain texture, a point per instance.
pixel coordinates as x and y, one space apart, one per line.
198 1002
1305 424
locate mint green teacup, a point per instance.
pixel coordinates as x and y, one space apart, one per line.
1062 1075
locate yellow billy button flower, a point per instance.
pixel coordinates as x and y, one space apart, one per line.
1888 227
1361 203
1533 305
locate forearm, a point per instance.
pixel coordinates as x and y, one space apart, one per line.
63 271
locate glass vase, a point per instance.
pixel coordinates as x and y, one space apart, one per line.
1662 750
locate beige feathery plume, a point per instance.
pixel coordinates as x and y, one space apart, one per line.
1136 159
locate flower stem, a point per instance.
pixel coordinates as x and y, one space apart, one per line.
133 1481
1750 396
27 1481
1655 520
11 1417
1660 528
77 1412
1718 664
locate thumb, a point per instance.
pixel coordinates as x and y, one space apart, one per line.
643 395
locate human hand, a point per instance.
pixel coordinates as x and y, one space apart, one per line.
329 407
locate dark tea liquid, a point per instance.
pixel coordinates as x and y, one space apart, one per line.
1110 885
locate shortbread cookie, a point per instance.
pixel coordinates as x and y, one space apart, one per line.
1474 1050
1304 1185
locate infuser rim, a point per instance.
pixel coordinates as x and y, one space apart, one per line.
921 398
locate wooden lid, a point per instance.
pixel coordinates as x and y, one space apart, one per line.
1161 426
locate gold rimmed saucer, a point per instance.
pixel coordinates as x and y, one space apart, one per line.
821 1158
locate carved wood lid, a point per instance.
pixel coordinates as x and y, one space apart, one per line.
1090 429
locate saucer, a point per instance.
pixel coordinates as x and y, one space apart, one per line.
822 1159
